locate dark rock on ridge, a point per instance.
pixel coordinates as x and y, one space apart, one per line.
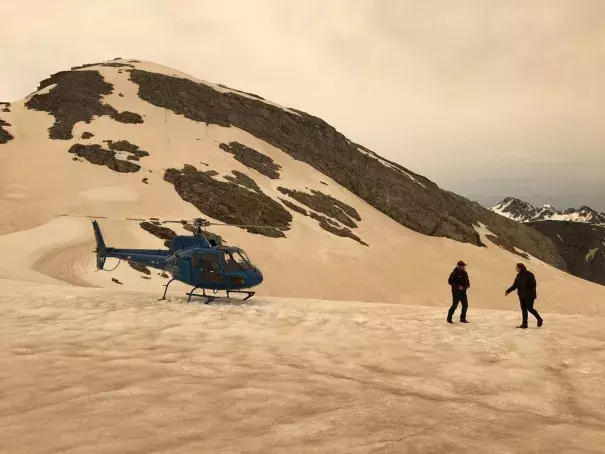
329 226
243 92
125 145
253 159
325 204
5 136
95 154
244 180
76 97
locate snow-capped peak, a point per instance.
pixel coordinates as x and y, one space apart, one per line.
521 211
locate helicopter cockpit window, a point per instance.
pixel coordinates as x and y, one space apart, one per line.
230 263
210 262
242 260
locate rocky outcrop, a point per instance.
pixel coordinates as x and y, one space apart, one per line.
294 207
242 92
325 204
125 145
581 245
5 106
408 198
76 97
243 180
111 64
328 205
5 136
95 154
253 159
87 135
335 229
229 202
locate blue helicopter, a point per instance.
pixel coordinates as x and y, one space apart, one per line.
194 260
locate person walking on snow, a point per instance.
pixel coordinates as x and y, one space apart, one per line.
525 285
460 283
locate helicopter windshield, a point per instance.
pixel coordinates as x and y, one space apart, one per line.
237 260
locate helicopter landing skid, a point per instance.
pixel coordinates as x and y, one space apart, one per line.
210 298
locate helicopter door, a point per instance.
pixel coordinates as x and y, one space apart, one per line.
211 268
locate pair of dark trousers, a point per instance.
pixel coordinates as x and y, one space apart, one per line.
527 305
458 297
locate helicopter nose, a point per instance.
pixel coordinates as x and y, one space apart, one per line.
259 277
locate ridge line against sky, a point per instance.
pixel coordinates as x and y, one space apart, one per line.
488 99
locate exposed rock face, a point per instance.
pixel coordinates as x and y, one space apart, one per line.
294 207
5 106
110 64
87 135
95 154
581 245
76 97
5 136
125 145
496 240
244 180
333 228
328 205
243 92
253 159
325 204
229 202
408 198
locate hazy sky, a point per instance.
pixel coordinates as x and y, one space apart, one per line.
486 97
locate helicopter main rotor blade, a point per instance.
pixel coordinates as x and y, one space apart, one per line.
183 222
100 217
246 226
201 223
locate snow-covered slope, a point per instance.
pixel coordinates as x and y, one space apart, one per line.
114 371
521 211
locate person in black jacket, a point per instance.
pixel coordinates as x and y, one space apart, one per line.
459 282
525 285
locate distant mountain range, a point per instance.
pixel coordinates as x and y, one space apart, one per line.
578 234
521 211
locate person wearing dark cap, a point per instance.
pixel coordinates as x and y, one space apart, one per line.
525 285
460 283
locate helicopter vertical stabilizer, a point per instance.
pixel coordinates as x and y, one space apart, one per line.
101 247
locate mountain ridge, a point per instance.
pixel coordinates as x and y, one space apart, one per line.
521 211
